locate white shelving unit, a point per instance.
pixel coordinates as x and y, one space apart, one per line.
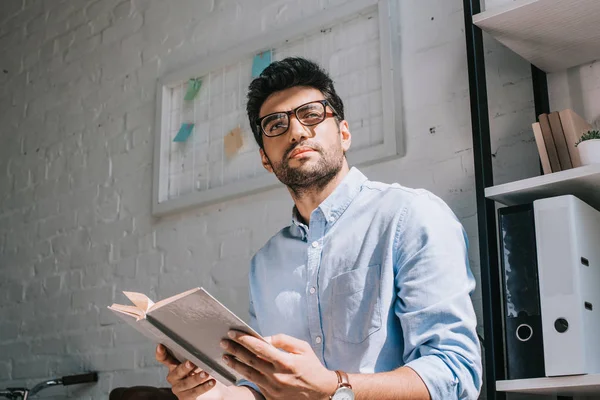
553 35
577 385
582 182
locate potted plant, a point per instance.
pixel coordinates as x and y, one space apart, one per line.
589 147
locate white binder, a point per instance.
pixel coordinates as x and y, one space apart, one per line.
568 251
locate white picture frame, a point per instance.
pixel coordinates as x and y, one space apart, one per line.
392 135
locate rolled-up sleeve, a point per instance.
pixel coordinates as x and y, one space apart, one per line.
434 285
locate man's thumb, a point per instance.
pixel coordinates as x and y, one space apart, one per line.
288 343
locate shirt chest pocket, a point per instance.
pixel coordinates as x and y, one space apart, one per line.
356 308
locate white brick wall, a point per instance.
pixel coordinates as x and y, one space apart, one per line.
579 89
77 85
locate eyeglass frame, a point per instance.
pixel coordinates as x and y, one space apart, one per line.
324 102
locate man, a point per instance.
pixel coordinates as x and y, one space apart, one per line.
367 292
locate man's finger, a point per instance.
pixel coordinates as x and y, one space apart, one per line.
163 356
180 372
200 390
288 343
190 382
247 372
246 356
257 346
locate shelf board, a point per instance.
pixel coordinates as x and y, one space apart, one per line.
575 385
582 182
553 35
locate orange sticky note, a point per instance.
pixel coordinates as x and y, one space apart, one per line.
233 141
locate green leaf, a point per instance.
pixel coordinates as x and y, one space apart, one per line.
589 135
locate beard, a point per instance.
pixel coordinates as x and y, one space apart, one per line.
310 175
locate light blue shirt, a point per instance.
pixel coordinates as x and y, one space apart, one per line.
379 279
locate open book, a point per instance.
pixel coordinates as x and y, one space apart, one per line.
191 326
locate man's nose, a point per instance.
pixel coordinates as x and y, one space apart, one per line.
297 131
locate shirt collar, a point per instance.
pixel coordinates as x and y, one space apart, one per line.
338 201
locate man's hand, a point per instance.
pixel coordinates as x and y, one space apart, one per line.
295 373
188 382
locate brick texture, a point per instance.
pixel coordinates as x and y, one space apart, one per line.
77 86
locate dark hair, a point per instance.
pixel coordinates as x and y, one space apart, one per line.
285 74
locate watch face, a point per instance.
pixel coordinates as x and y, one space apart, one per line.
343 393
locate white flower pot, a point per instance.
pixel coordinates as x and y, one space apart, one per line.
589 151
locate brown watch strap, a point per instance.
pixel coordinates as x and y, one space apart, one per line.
343 379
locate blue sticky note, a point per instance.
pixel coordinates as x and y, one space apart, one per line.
184 132
260 62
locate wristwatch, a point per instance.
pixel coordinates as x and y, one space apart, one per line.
344 389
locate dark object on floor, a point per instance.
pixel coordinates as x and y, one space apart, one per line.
142 393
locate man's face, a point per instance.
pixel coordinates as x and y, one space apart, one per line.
305 156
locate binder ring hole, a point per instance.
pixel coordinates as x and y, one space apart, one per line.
561 325
588 306
524 332
585 261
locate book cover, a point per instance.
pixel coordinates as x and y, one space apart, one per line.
549 142
191 326
560 141
541 146
573 126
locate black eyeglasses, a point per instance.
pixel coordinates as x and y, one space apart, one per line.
309 114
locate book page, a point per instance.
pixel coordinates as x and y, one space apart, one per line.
140 300
129 310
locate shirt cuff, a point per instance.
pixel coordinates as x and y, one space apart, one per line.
439 379
244 382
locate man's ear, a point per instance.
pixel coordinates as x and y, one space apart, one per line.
345 136
265 161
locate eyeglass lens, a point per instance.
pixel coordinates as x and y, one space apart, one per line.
309 114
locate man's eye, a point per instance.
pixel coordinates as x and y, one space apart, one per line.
311 115
276 126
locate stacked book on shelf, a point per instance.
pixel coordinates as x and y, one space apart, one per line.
556 134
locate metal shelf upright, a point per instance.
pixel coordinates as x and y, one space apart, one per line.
494 364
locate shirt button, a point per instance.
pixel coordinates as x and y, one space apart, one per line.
318 340
331 219
312 290
315 244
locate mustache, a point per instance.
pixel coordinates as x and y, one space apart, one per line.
311 146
